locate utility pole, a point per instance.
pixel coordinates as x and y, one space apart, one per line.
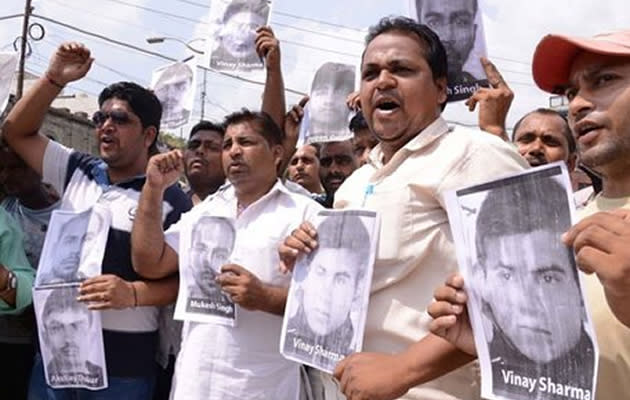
203 94
20 83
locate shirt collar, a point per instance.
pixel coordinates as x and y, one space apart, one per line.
425 137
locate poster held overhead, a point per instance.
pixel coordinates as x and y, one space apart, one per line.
327 116
174 85
232 34
329 292
533 335
459 25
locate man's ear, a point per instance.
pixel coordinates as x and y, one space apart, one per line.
150 133
441 84
278 152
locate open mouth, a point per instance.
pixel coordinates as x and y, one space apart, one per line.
387 105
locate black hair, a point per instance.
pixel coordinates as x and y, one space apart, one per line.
535 203
64 299
204 125
358 123
433 49
566 130
345 232
143 102
262 122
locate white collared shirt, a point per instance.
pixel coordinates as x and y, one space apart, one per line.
243 362
416 252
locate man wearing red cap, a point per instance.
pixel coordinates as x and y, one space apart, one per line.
594 74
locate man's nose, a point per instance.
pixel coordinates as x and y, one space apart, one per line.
579 107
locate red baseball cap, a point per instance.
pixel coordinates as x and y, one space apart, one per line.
554 55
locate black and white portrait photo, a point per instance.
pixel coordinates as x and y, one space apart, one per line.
533 334
71 339
459 25
209 246
71 239
329 291
8 64
234 34
174 86
328 115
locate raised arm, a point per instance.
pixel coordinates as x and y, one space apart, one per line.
268 47
494 102
69 63
151 256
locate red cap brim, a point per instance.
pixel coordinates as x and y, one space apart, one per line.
554 56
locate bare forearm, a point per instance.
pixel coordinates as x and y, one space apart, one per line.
147 236
28 113
273 96
156 293
431 358
274 300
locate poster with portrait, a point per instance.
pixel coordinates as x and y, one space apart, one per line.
533 335
232 34
330 288
74 246
174 85
326 115
206 245
8 63
70 338
459 25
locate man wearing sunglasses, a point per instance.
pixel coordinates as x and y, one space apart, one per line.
126 125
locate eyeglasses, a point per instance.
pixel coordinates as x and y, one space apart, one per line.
118 117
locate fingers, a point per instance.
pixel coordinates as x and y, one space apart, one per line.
613 223
297 113
303 101
440 325
169 162
288 255
589 259
340 367
234 269
492 73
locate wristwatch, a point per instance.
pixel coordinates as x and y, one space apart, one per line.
11 283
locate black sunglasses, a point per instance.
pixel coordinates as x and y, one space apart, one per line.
118 117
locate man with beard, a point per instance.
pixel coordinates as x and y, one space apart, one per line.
337 161
202 160
126 125
363 140
594 74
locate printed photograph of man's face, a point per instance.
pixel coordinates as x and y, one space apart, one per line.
172 89
328 113
528 277
212 241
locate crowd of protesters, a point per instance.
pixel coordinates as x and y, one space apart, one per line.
248 168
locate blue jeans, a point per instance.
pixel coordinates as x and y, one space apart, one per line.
118 388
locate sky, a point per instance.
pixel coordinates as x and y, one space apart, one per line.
310 32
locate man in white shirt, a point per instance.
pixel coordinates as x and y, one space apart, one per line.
419 158
242 361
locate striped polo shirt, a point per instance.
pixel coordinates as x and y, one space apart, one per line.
130 335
